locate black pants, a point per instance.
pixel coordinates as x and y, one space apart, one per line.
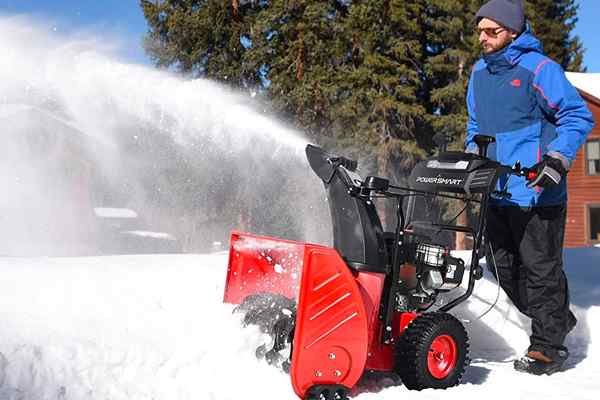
527 247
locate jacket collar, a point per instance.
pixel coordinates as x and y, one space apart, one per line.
510 56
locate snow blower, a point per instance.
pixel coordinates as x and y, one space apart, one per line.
365 304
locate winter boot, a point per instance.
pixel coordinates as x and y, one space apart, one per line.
537 363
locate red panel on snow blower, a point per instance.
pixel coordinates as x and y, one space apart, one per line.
262 265
331 335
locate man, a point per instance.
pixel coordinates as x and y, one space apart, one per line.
522 98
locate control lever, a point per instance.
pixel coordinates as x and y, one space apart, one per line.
441 140
374 184
483 141
528 173
518 170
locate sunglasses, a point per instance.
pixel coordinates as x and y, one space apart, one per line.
490 32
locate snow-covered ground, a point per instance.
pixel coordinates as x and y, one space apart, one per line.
154 327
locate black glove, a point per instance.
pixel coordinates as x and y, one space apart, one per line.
550 172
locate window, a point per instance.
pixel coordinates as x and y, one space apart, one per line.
594 213
592 156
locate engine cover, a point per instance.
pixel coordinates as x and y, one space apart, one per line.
456 172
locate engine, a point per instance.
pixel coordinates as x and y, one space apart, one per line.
429 270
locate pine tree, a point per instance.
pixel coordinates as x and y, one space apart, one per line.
380 84
380 77
451 49
203 38
296 45
553 22
375 105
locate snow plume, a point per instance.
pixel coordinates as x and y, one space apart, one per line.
192 157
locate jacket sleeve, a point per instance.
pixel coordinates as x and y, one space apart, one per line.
472 128
561 102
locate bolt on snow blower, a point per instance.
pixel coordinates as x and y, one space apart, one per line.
366 304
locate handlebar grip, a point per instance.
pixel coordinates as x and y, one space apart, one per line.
483 142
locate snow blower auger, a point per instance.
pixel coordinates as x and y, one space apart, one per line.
366 304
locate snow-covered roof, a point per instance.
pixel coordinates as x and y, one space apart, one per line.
108 212
589 83
150 234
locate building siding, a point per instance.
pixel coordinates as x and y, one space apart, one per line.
584 190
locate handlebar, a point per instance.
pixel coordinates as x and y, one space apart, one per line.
483 142
528 173
382 186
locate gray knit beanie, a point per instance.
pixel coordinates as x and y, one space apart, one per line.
508 13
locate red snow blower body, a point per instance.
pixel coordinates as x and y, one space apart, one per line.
334 313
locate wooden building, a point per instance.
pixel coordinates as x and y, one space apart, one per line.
48 184
58 198
583 212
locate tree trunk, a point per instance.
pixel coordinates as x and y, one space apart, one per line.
235 5
300 60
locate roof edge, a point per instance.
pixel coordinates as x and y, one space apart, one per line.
589 97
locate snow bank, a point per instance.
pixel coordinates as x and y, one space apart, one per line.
154 327
143 327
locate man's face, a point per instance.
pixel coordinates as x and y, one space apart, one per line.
492 36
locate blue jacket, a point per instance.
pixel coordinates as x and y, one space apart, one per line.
523 99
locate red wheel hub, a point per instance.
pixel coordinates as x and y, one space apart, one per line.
442 356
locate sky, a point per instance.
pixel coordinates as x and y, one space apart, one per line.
123 19
587 30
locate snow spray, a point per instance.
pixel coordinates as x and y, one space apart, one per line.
84 130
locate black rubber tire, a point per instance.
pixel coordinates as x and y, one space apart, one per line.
412 350
327 392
